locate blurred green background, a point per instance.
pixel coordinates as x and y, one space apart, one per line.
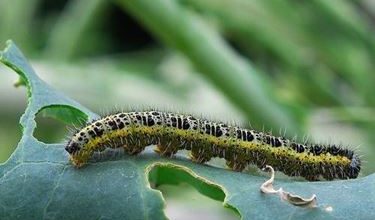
301 68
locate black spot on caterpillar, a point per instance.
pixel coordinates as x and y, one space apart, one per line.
240 147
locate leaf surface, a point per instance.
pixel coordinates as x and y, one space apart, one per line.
38 181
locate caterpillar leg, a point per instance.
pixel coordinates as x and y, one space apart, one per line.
312 178
236 165
133 150
199 156
76 162
167 150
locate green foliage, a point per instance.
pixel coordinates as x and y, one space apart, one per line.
38 182
212 56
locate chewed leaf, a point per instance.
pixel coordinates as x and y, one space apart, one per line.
299 201
39 182
267 188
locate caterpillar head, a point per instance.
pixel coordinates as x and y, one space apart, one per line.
72 147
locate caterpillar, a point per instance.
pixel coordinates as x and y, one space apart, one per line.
170 132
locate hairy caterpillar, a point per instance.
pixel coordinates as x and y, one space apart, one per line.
171 132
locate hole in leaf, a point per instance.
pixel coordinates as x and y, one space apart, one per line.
13 103
53 122
188 197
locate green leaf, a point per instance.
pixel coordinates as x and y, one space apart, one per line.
215 59
38 181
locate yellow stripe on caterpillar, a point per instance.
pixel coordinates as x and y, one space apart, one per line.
133 131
